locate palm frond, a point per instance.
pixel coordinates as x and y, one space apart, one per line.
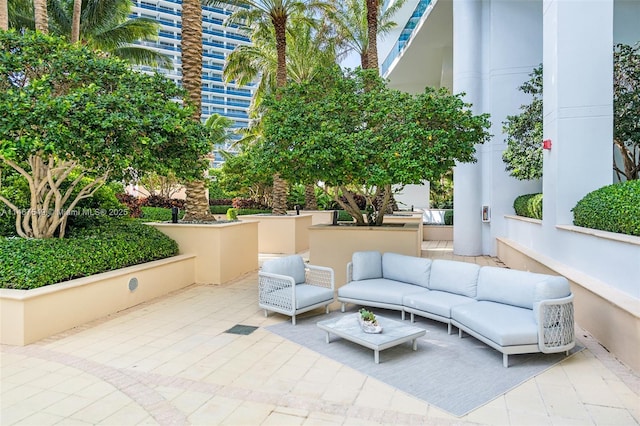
141 55
127 32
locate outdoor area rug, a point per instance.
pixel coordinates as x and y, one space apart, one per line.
453 374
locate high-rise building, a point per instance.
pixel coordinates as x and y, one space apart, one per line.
218 40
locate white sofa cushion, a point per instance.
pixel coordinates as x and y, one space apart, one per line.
366 265
406 269
378 290
552 288
518 288
454 277
306 295
291 266
505 325
435 302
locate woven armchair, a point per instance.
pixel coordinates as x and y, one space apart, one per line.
288 286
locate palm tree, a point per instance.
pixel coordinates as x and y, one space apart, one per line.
373 7
102 25
75 22
351 23
258 15
307 53
197 205
4 15
41 16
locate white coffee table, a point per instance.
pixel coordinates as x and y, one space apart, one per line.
393 333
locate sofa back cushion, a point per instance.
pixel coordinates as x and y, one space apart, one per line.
454 277
519 288
407 269
366 265
291 266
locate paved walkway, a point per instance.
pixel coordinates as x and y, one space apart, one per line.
170 362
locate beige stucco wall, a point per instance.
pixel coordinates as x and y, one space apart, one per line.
223 251
438 233
333 246
611 316
287 234
318 217
30 315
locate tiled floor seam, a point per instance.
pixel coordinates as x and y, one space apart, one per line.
139 387
148 398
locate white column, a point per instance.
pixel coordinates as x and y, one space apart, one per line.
578 104
515 43
467 77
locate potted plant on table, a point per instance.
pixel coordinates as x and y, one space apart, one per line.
368 322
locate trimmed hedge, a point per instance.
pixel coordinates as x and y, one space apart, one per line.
158 214
220 208
613 208
448 217
529 205
32 263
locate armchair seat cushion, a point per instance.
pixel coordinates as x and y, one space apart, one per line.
306 295
379 290
435 302
503 324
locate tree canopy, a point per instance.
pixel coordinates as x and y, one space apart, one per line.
348 130
67 112
106 25
523 156
626 109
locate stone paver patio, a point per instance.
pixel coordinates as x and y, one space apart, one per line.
170 362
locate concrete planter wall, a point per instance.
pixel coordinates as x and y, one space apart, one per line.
318 217
288 234
333 246
30 315
603 269
437 233
224 251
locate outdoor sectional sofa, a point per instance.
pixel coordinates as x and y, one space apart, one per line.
512 311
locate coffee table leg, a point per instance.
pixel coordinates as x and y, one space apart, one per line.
376 356
415 344
327 338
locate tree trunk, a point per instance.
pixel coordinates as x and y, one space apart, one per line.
4 15
280 27
279 195
196 206
631 167
197 202
372 33
310 200
279 185
41 16
75 24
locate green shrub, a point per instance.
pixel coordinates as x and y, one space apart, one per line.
158 214
529 205
242 212
32 263
448 217
613 208
232 214
93 210
221 209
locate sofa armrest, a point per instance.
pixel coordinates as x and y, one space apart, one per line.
268 294
320 276
349 272
556 328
